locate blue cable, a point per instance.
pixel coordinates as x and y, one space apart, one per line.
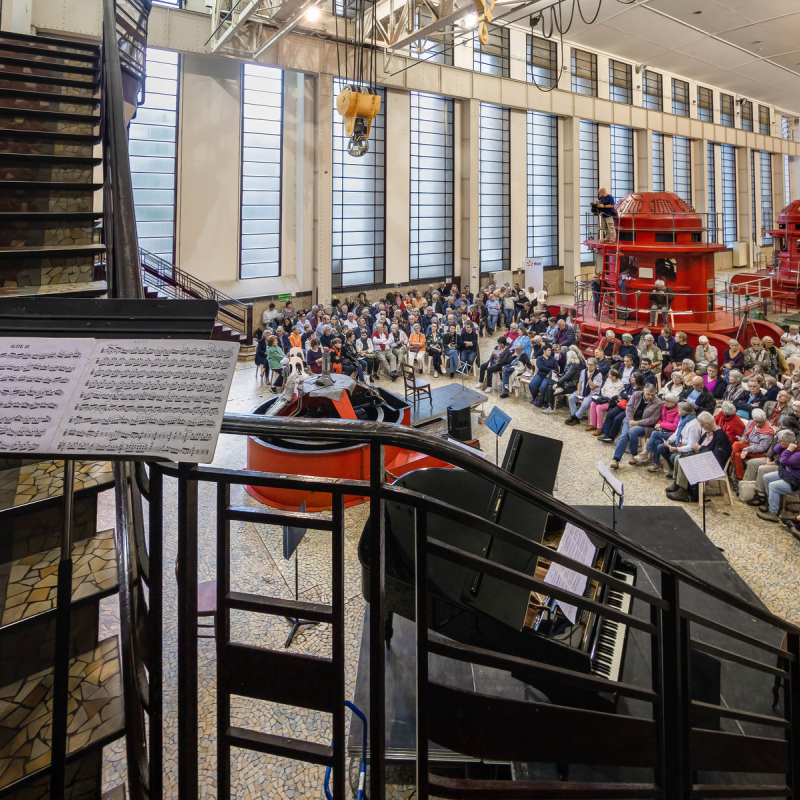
362 770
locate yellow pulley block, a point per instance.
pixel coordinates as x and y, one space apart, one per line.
483 32
358 109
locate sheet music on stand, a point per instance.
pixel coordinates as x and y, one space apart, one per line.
574 544
701 468
151 398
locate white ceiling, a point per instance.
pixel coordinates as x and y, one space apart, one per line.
746 47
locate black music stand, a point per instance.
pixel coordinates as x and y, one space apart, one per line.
291 542
614 490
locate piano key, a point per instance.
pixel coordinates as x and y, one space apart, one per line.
610 642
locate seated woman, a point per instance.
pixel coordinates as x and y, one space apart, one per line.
366 351
567 383
450 343
351 362
435 348
546 364
512 371
314 356
674 386
468 343
714 383
261 355
687 370
616 415
398 341
735 386
275 356
416 347
751 399
665 426
642 414
648 349
612 389
756 439
732 358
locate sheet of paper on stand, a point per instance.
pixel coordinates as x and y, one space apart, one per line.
574 544
610 478
701 468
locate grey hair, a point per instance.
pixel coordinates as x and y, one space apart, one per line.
733 343
786 436
755 339
671 397
592 360
758 415
649 388
728 408
704 417
735 376
687 362
686 407
572 357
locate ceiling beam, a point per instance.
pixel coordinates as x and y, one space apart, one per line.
237 22
296 9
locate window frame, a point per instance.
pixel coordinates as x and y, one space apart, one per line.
479 53
682 168
622 161
764 125
705 104
730 210
767 205
579 83
505 238
711 173
679 88
534 42
726 110
623 90
587 135
659 168
537 142
655 92
746 117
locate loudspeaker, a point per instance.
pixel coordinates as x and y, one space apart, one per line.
459 423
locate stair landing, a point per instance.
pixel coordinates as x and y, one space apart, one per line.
45 479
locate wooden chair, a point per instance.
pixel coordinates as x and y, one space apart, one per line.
414 387
207 607
725 481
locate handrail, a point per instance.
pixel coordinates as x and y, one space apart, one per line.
409 438
174 282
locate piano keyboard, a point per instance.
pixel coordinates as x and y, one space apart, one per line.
608 649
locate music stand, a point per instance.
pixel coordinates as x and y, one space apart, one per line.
702 468
291 542
617 491
497 422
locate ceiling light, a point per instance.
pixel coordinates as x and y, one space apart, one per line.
471 20
697 12
312 15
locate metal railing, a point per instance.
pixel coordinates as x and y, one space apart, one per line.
668 740
174 282
131 31
709 230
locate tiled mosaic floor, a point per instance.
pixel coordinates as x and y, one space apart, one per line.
28 586
26 707
21 485
766 556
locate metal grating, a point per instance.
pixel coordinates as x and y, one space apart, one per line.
630 206
661 206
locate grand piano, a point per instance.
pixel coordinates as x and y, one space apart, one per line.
483 611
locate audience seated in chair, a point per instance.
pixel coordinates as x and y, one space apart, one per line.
501 355
756 439
513 371
642 414
785 480
667 446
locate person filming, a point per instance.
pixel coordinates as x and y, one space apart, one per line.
605 207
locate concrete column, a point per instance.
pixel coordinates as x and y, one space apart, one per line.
306 178
323 186
15 16
778 188
743 188
470 198
518 48
636 77
571 193
462 54
519 188
756 176
669 165
644 160
398 185
604 158
699 176
718 189
602 77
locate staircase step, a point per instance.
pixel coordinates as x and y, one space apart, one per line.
49 97
66 216
27 77
54 251
34 159
27 63
58 116
77 289
28 585
13 47
51 185
96 716
50 41
66 138
117 793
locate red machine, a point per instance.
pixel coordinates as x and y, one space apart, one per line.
660 237
786 256
343 398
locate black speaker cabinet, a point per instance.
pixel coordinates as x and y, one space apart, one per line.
459 423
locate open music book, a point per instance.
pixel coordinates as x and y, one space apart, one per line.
154 398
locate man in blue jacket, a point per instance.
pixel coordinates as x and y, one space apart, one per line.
605 203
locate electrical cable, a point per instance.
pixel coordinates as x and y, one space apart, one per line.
596 15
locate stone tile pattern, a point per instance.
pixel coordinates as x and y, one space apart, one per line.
45 479
54 288
81 781
95 712
28 586
765 555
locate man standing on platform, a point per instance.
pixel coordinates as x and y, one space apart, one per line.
605 203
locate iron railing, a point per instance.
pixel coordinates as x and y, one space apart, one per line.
709 231
174 282
131 34
664 737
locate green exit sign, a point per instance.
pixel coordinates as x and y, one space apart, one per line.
284 298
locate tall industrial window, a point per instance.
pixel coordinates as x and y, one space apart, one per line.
747 116
589 181
493 57
728 172
766 196
784 127
359 209
584 72
543 187
262 137
495 188
753 195
682 167
440 50
712 194
653 92
620 82
621 161
787 184
726 110
542 61
170 3
431 250
763 120
680 98
151 147
659 184
705 104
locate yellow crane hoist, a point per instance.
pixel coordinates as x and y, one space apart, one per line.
484 10
358 109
